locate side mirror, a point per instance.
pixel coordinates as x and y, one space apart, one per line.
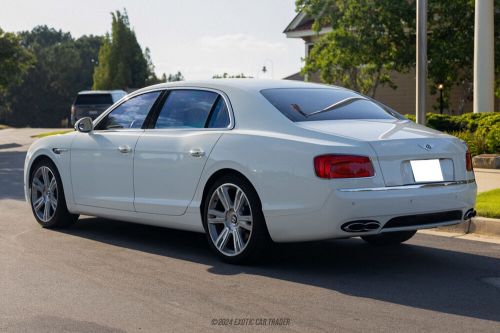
84 125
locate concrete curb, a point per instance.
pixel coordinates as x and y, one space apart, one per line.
478 225
486 161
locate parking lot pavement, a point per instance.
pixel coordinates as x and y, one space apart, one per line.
108 276
19 139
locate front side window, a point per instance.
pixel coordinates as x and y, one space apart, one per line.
130 114
118 95
192 109
309 104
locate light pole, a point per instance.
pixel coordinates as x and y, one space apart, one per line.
440 88
484 67
264 68
421 60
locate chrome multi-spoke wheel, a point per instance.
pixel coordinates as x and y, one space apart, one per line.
233 220
44 193
47 196
229 219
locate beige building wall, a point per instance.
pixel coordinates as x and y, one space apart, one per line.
403 98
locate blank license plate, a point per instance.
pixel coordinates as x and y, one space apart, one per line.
427 171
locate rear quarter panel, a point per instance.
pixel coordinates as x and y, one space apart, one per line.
279 166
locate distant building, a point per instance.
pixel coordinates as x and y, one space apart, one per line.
401 99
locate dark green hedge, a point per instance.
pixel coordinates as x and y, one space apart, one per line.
481 131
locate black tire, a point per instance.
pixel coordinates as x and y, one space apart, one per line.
60 217
389 238
258 240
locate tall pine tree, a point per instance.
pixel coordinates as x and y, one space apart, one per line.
121 64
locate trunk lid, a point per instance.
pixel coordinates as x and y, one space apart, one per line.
397 143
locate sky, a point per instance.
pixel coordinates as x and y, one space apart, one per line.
200 38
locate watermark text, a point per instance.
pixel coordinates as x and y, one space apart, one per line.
250 321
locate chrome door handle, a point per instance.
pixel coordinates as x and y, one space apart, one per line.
124 149
197 152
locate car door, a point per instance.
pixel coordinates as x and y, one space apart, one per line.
171 154
102 161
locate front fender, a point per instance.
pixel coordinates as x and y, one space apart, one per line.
44 148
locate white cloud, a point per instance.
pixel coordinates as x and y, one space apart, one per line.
230 53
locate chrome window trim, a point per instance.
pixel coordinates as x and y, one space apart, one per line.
219 92
132 95
407 187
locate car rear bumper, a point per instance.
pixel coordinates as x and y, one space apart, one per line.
395 208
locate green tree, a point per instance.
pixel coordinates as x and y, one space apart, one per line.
15 60
232 76
173 77
88 47
63 67
369 40
451 48
151 75
102 76
121 63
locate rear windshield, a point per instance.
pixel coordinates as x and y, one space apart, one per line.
309 104
88 99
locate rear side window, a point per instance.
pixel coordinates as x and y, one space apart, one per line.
190 109
219 117
94 99
309 104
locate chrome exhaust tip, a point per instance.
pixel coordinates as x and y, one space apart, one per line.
360 226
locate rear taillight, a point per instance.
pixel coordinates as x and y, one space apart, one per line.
343 166
468 161
73 110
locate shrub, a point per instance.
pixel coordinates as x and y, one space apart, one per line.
492 139
475 142
412 117
470 121
489 128
481 131
442 122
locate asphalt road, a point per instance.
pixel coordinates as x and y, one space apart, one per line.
108 276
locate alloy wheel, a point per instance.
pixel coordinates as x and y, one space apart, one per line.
44 194
229 219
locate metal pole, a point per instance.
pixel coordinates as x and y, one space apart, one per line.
421 60
440 101
484 67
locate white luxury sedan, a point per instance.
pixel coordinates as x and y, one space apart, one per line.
250 162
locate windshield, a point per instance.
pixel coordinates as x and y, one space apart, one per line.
309 104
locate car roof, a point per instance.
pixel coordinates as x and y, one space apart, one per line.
249 85
96 92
